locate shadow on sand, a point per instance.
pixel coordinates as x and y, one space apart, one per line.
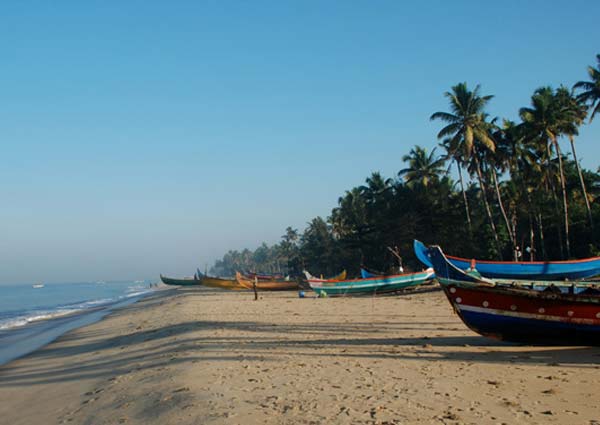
256 341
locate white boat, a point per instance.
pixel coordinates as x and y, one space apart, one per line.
38 285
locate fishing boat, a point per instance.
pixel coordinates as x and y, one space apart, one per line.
263 276
555 315
266 285
217 282
186 281
340 276
535 270
370 286
37 285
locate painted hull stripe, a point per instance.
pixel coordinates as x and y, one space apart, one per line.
521 315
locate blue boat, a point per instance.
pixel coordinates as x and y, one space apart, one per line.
516 313
535 270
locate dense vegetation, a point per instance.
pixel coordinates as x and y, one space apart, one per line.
526 198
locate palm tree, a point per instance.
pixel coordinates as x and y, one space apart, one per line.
495 159
590 93
591 89
453 153
423 168
466 127
545 123
574 113
521 161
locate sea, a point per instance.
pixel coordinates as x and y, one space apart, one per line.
31 316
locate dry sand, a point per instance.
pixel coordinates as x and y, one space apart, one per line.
211 357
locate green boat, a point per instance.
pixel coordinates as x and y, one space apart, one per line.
187 281
371 286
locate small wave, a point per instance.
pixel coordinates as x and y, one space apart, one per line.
18 321
21 318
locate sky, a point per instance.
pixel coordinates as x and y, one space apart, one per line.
146 137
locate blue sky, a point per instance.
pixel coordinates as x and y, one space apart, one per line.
143 137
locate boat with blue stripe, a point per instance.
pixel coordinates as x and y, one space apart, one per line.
555 315
370 286
535 270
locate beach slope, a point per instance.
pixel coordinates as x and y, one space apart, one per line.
201 357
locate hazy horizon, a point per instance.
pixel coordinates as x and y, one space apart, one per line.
146 138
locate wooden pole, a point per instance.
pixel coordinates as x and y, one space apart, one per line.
396 253
254 287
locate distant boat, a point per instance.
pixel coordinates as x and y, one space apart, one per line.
202 280
217 282
535 270
267 285
37 285
187 281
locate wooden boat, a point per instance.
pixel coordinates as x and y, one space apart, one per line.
267 285
263 276
217 282
340 276
203 280
370 286
536 270
555 315
187 281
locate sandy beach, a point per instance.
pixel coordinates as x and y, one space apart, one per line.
194 356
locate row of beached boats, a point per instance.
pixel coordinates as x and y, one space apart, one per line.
260 282
534 302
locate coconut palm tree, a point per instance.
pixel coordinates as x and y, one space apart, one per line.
545 123
496 160
590 90
423 168
574 114
454 154
467 127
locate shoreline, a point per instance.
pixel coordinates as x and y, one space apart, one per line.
209 356
22 340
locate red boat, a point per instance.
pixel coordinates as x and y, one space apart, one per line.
556 315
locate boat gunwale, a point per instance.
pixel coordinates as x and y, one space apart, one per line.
425 272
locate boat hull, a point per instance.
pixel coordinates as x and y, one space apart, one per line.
537 270
215 282
371 286
179 282
267 285
518 313
522 318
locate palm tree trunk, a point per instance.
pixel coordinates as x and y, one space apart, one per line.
501 204
462 188
542 242
487 206
561 245
564 193
531 239
585 196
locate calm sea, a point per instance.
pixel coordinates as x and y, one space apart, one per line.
32 317
23 304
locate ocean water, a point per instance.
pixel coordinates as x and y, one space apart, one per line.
23 304
33 317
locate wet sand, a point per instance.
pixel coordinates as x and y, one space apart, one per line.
212 357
